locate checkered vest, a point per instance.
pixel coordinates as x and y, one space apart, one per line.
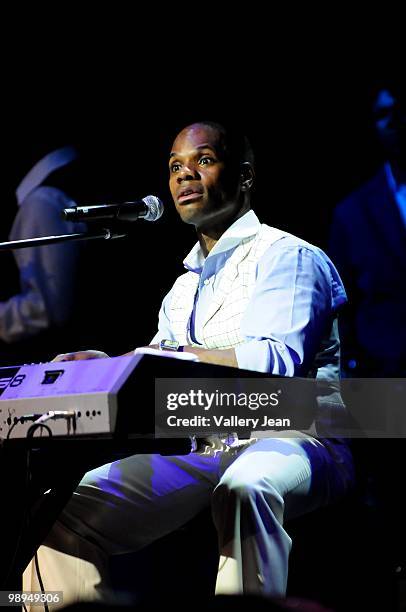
221 328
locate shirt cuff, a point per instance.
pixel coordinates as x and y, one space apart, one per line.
253 355
264 356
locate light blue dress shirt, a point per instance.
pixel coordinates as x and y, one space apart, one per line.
297 292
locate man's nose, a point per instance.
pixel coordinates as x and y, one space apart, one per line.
188 173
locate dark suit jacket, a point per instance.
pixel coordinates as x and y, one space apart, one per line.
368 246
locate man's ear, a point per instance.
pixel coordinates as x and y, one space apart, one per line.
246 176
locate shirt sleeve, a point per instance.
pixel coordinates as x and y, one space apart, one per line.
164 329
291 306
47 273
340 248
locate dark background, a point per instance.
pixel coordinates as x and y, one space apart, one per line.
304 108
299 85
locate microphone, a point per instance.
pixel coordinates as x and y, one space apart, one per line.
149 208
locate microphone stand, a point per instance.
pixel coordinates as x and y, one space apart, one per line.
99 234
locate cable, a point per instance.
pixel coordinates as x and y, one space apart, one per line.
26 514
39 423
22 419
69 415
33 428
11 428
41 584
30 434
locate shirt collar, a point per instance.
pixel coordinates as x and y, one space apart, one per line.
246 226
393 185
42 169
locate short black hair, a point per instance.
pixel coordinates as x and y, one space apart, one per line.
236 145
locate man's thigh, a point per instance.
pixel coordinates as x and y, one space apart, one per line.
299 471
126 505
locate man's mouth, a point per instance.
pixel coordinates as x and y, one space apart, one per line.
187 195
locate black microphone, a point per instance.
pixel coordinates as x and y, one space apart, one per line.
149 208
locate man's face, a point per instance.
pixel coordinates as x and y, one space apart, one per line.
390 123
205 191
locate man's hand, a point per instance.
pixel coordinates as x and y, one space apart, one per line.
153 346
225 357
80 356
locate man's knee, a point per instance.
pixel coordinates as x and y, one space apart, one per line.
243 510
231 493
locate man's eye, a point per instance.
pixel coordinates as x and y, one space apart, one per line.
175 167
206 160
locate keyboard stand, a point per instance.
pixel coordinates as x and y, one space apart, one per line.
32 502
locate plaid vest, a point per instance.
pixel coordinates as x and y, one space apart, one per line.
221 328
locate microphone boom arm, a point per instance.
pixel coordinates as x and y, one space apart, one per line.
101 234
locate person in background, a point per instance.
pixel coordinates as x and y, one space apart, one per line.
33 316
368 246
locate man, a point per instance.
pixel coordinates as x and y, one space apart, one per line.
32 319
368 244
253 297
